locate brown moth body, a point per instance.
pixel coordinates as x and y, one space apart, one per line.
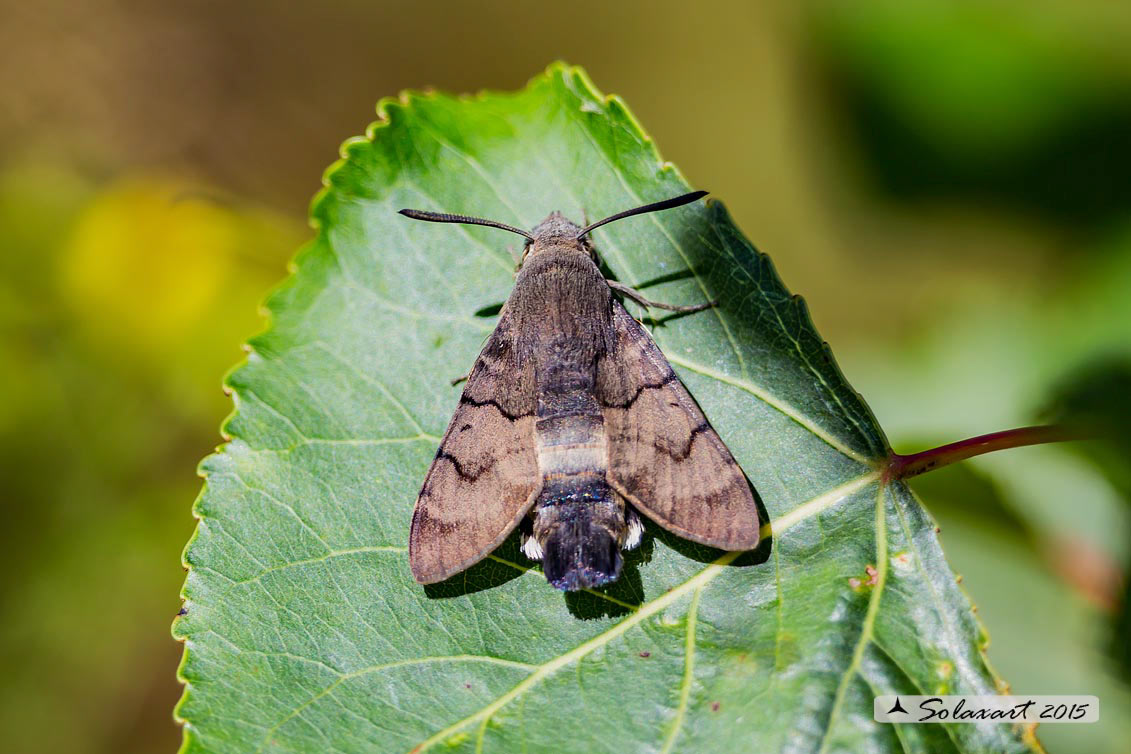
573 416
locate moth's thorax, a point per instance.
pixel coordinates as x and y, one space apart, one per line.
558 235
560 308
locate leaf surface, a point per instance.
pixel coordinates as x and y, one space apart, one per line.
303 628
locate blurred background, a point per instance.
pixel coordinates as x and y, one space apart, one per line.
946 182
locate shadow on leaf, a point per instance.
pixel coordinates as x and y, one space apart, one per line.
505 564
491 310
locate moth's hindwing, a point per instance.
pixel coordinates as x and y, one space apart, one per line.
485 475
664 457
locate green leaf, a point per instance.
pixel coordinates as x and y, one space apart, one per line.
304 630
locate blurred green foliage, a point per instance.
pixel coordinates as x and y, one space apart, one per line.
976 100
945 182
121 308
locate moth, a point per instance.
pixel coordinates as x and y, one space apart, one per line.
572 424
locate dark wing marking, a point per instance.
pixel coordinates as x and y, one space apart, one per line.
664 457
485 475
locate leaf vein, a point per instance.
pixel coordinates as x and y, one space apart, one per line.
386 666
768 398
319 559
868 626
393 399
688 673
286 506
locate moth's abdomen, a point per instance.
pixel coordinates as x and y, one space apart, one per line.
569 433
579 523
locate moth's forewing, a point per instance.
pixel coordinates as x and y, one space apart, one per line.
664 457
485 475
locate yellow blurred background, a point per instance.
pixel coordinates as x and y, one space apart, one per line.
948 183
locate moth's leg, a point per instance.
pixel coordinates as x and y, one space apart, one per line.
530 547
463 378
635 296
635 528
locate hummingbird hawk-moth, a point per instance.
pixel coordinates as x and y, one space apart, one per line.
572 419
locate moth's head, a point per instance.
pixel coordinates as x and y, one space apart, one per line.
556 228
558 232
555 231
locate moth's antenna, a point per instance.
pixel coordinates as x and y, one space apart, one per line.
441 217
653 207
